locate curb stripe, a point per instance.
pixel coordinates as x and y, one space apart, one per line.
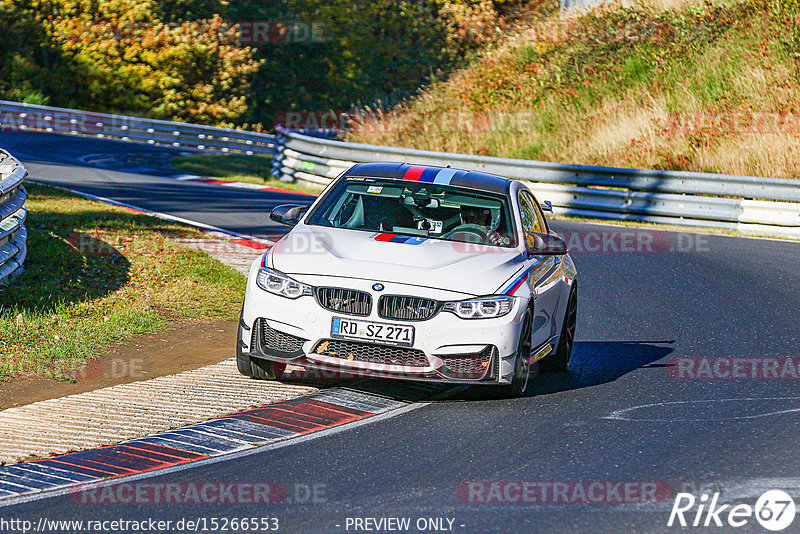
75 469
227 434
246 428
240 432
110 470
28 481
159 439
32 474
13 488
58 473
166 451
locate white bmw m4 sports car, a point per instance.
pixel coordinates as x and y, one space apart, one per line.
417 273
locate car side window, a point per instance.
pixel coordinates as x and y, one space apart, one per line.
532 221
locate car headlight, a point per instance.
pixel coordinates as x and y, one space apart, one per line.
482 308
280 284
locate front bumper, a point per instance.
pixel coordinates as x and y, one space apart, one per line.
446 348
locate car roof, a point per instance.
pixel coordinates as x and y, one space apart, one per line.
428 174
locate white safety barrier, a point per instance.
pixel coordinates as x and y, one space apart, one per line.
13 236
748 204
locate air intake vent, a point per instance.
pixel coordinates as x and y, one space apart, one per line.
407 308
370 353
347 301
468 366
275 343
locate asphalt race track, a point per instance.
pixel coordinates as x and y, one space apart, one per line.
625 413
60 160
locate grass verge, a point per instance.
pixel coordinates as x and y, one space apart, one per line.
96 274
708 86
236 168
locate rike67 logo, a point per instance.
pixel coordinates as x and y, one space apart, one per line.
774 510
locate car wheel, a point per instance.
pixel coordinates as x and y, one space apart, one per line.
559 362
524 372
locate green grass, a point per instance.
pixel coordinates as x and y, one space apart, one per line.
235 168
96 274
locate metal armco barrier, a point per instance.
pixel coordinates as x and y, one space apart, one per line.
13 235
30 117
747 204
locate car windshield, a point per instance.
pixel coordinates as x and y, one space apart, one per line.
417 209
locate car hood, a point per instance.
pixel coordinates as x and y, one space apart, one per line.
469 269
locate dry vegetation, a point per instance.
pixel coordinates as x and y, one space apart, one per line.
688 86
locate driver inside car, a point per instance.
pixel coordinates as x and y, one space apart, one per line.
472 215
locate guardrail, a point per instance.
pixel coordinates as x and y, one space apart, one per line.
747 204
31 117
13 236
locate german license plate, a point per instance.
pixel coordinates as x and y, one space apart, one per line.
391 334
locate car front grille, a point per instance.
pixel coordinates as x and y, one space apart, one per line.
468 366
347 301
367 352
276 343
407 308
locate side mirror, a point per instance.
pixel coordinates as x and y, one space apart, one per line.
546 245
547 206
288 213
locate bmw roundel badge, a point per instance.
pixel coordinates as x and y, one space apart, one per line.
377 287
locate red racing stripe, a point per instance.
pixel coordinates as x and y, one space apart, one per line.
413 173
385 237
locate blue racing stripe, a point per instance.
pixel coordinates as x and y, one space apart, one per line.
445 176
513 286
429 174
408 240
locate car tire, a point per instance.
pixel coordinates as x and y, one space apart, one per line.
524 372
559 361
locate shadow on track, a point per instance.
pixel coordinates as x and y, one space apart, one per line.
593 363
